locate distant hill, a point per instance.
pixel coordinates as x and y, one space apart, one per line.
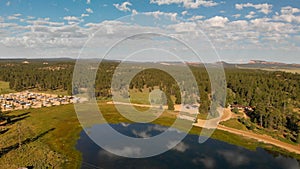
252 64
35 60
271 64
268 65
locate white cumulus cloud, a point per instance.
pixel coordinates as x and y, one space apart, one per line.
157 14
84 15
123 7
134 12
60 39
89 10
186 3
288 10
287 18
250 15
71 18
184 13
263 8
236 15
217 21
287 14
196 17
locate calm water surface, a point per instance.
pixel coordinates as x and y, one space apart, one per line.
189 154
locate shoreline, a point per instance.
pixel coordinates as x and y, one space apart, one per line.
226 115
67 133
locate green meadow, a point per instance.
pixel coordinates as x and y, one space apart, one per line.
4 88
46 137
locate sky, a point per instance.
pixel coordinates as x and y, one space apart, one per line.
228 30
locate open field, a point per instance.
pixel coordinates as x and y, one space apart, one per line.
139 97
233 123
288 70
51 134
284 70
53 92
4 88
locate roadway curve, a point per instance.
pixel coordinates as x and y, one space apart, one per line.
226 115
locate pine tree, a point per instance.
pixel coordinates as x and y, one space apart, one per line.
170 102
298 137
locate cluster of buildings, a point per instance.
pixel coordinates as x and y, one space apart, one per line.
25 100
190 114
241 107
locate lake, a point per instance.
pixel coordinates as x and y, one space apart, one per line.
188 154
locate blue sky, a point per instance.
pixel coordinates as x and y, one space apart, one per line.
239 30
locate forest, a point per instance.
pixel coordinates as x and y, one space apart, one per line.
274 96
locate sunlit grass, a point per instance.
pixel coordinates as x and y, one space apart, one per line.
57 147
4 88
234 123
59 143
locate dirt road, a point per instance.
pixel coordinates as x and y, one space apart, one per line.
258 137
134 104
226 114
262 138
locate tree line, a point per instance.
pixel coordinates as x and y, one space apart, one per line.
273 96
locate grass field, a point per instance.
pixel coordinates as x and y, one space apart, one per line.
234 123
57 92
283 70
288 70
138 97
52 133
4 88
